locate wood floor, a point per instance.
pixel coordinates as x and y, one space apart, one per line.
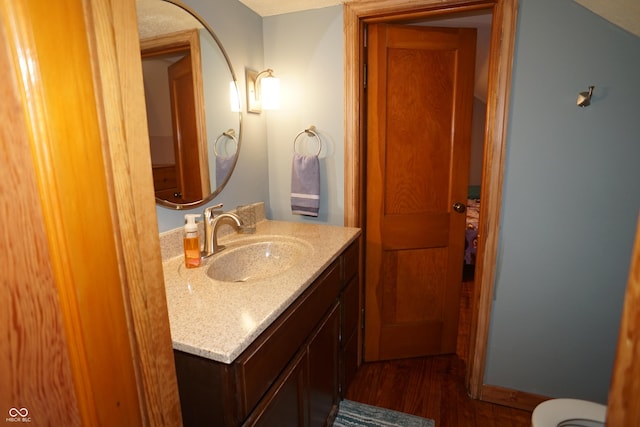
433 387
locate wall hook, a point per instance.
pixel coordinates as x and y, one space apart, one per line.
584 98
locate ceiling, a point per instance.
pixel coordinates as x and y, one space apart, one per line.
159 17
623 13
277 7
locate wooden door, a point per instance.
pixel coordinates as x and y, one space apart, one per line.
185 131
85 329
420 93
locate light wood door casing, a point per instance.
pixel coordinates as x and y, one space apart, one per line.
420 95
86 325
623 409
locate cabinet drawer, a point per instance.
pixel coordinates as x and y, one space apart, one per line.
259 366
164 177
350 259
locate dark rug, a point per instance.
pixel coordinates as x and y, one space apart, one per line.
354 414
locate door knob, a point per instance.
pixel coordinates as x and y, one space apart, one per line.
459 207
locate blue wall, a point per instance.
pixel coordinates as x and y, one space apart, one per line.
570 205
240 32
305 50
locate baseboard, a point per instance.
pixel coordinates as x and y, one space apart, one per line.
512 398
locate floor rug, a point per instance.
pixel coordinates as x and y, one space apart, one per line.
354 414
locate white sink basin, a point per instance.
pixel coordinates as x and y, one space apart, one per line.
249 260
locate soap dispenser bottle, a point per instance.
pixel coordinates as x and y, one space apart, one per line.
191 242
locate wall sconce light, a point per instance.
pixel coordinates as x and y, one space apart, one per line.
584 98
263 91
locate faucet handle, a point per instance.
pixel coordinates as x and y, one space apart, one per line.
212 211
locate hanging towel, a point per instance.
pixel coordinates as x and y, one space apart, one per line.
305 185
223 166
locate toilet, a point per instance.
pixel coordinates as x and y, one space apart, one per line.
568 413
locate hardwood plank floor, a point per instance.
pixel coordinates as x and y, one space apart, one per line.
433 387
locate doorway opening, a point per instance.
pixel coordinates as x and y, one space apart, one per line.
503 12
172 75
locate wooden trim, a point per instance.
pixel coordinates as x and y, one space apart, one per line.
64 136
356 15
35 364
88 329
495 149
353 121
512 398
131 192
623 409
171 43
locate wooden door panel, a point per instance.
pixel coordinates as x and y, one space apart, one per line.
415 231
185 130
414 303
410 295
415 119
411 340
415 312
418 140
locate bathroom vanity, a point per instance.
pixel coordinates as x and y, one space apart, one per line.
271 350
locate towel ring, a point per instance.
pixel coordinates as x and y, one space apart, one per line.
311 131
231 134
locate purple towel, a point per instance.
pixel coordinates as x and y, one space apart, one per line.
305 185
223 166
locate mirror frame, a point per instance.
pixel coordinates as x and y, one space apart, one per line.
214 192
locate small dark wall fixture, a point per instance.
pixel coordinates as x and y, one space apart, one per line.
584 98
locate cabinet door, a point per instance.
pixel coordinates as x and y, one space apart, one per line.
323 370
260 365
351 316
286 404
350 308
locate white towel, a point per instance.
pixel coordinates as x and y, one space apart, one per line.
305 185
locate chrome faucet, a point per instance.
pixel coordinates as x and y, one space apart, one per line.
213 217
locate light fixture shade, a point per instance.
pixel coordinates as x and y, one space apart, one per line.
270 92
263 91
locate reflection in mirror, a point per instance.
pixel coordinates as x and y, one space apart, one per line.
192 104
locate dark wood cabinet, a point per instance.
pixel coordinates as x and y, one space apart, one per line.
350 316
323 355
293 374
286 404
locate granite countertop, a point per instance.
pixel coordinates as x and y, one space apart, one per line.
219 320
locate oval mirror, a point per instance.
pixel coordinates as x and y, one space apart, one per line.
193 104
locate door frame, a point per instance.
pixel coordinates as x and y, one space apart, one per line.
504 13
81 171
